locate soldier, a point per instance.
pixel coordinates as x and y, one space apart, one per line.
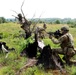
41 32
66 43
44 26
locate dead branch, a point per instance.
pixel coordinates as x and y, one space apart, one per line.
22 11
14 11
34 26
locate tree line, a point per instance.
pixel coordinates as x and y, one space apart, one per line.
44 20
2 20
56 20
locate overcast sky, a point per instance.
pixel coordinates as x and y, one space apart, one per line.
45 8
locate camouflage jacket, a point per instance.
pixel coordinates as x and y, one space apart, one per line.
65 41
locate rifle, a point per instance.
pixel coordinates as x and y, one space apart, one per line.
56 34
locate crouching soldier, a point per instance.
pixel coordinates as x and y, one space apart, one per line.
66 44
41 32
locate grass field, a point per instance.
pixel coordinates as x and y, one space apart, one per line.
10 65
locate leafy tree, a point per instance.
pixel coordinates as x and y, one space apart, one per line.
40 21
69 22
57 22
2 20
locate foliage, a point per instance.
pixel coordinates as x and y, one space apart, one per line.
73 70
49 42
9 65
57 22
2 20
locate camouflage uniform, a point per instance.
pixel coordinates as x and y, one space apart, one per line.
41 32
44 26
67 45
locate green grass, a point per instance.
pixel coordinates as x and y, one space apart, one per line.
10 65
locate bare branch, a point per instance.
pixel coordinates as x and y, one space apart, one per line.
36 22
15 16
21 8
33 16
14 11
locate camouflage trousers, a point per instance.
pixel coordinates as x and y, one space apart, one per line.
67 52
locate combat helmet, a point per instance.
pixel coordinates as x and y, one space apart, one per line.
65 28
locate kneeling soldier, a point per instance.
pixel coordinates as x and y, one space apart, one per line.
66 43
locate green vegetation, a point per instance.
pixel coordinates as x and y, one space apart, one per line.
10 33
2 20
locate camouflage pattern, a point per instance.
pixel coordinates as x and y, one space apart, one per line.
41 32
44 26
66 43
65 28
